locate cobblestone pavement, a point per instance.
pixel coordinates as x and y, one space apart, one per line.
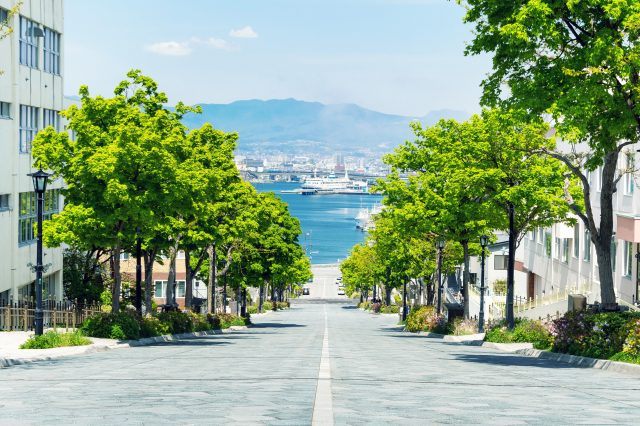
269 375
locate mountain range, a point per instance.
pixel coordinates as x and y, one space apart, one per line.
294 126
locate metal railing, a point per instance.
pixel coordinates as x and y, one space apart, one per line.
16 316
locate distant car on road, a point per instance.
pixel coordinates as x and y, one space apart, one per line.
305 291
341 292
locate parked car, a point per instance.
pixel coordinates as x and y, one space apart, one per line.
341 292
305 291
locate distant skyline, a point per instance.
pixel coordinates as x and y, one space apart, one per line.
394 56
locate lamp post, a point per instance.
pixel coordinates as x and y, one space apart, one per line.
40 186
484 240
138 301
440 244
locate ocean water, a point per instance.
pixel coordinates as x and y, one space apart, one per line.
328 221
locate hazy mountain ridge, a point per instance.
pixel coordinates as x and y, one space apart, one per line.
290 125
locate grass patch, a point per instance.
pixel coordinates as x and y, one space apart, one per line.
53 339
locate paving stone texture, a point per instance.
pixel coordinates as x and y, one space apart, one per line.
268 375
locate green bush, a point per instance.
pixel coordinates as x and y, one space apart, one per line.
391 309
228 320
525 331
283 305
366 305
178 322
214 321
53 339
267 306
252 309
425 318
397 299
151 326
113 325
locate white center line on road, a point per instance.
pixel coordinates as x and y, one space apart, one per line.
323 404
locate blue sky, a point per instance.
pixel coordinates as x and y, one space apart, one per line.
395 56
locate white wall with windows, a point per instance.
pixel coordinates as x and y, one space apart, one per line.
31 95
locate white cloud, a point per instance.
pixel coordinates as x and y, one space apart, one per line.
217 43
170 48
245 32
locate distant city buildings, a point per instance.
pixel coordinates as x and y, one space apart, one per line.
31 96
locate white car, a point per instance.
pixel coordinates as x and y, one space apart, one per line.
341 292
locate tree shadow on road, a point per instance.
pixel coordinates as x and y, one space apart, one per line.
207 342
511 360
276 325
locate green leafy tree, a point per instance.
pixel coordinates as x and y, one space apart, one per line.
119 169
578 62
5 25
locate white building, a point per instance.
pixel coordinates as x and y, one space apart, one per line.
31 95
561 260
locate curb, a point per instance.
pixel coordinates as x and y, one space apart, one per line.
582 361
8 362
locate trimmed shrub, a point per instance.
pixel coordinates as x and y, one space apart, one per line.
151 326
391 309
632 342
425 318
252 309
283 305
267 306
113 325
177 322
366 305
375 307
53 339
214 322
228 320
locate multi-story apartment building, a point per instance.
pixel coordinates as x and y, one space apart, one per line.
562 259
31 95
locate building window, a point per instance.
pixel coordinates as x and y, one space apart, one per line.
576 241
28 127
628 177
4 202
628 258
51 118
540 236
587 246
558 249
28 42
51 51
500 262
124 256
565 250
160 285
180 291
5 110
27 216
547 243
4 15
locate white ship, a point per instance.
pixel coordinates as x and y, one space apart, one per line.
333 185
364 219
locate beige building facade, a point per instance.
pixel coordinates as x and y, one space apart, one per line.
31 96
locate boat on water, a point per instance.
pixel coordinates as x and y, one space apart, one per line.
331 184
364 219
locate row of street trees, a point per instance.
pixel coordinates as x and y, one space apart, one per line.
571 64
135 174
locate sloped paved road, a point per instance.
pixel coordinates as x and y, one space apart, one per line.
269 374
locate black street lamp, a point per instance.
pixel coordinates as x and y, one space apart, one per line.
440 245
484 240
138 300
40 186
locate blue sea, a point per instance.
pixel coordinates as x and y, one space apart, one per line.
328 221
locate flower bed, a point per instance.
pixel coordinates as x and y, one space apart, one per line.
525 331
606 335
425 318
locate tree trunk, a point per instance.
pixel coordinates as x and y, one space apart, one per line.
213 277
260 297
387 294
149 261
117 279
171 280
188 291
465 278
605 233
513 237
